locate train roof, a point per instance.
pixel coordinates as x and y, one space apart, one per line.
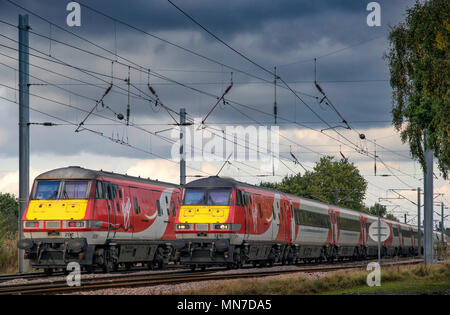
77 172
216 181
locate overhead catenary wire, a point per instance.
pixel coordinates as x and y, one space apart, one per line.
144 32
281 79
93 99
89 113
104 136
259 66
209 94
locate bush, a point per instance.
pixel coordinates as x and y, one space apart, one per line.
8 253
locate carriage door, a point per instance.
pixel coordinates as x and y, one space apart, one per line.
276 216
249 213
363 229
110 194
243 200
333 226
291 222
134 217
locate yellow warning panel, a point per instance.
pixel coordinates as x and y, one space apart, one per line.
68 209
204 214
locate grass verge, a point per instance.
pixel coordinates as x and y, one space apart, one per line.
8 253
415 279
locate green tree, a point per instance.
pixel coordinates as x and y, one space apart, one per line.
419 63
9 209
383 212
330 181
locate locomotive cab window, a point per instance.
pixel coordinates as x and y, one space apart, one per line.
99 192
239 198
75 190
211 197
47 190
105 190
194 197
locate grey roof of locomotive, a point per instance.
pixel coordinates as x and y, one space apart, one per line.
216 181
77 172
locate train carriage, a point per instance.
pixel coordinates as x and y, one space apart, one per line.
99 218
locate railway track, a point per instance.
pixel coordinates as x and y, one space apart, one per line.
133 280
37 275
27 276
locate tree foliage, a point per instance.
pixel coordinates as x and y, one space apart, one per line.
382 211
419 68
329 181
9 209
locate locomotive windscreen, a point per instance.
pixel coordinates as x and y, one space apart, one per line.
75 190
72 189
219 197
47 190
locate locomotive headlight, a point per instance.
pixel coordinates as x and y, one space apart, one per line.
183 227
32 224
222 226
75 224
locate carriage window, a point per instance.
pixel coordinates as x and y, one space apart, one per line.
304 217
158 206
118 207
173 209
136 206
260 212
348 224
120 194
395 231
75 190
47 190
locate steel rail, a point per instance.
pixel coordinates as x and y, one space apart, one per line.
172 278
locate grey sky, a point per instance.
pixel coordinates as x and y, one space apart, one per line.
284 33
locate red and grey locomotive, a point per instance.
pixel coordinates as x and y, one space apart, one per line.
226 222
98 218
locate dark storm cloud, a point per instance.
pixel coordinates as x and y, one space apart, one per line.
269 32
